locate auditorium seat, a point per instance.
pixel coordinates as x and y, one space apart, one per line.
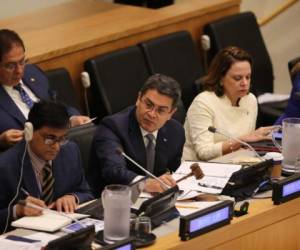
242 30
175 55
116 79
61 87
83 136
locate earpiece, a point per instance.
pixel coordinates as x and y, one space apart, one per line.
205 42
28 131
85 79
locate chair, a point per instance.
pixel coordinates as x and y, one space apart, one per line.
116 79
83 137
175 55
242 30
62 88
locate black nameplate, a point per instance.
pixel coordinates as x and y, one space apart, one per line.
286 189
205 220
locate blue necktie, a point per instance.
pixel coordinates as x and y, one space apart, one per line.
24 96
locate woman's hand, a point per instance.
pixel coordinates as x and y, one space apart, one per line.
260 134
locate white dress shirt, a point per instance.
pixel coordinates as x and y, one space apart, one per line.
15 96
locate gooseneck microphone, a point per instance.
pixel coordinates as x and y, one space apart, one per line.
214 130
121 152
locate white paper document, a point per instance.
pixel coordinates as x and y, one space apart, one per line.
49 222
216 176
6 244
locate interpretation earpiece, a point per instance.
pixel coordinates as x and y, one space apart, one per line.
28 131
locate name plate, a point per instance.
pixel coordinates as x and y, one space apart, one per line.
286 189
205 220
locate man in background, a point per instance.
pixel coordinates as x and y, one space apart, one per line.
21 85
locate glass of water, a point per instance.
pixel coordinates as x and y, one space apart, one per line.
142 226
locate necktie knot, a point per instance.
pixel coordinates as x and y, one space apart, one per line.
150 138
18 87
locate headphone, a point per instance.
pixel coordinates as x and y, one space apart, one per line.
28 131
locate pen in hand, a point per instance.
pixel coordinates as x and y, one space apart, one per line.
48 210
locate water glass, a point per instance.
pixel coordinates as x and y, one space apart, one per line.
142 226
291 144
116 201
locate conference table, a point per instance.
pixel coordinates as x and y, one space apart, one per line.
266 226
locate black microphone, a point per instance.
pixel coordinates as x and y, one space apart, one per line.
121 152
214 130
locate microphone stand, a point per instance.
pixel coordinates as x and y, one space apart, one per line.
214 130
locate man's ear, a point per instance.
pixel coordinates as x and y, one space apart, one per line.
138 99
172 112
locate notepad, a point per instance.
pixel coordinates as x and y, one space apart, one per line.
48 222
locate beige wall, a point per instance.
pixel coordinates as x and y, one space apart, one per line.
16 7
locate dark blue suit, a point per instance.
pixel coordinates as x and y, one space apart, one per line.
10 115
293 107
122 131
67 171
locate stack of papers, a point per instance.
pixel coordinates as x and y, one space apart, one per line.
216 176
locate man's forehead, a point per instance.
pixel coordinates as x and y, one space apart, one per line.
53 131
157 98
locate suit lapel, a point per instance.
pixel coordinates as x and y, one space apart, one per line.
136 139
10 107
29 178
32 83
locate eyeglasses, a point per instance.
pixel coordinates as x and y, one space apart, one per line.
160 110
52 140
12 66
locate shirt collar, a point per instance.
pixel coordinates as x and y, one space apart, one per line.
144 133
37 162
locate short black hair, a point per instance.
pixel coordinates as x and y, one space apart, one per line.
49 114
164 85
9 38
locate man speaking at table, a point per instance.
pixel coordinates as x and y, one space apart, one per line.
45 169
145 132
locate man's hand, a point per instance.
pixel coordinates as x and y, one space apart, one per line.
11 136
153 186
77 120
28 211
66 203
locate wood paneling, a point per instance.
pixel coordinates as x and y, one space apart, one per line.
68 34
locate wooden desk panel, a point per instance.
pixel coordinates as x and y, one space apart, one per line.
68 34
265 227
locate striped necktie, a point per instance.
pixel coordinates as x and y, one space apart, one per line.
24 96
47 185
150 151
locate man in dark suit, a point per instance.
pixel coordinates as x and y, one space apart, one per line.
20 86
130 129
45 170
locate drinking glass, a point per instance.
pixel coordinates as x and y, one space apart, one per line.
116 202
